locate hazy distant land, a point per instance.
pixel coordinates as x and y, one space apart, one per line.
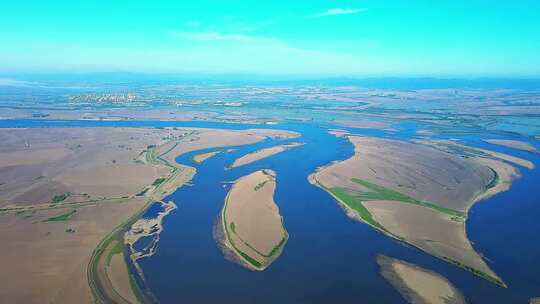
516 144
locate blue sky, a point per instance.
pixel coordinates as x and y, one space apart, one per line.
449 38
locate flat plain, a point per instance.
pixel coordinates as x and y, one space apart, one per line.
63 190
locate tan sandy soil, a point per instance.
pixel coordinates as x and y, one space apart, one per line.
105 180
421 172
426 174
263 153
95 162
104 271
338 132
28 157
258 226
534 301
200 158
509 158
51 268
206 138
505 172
516 144
90 164
448 144
116 114
418 285
119 276
424 132
39 164
429 230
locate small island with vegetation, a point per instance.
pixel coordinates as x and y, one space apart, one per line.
251 230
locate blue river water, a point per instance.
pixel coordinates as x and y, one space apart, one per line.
153 210
328 258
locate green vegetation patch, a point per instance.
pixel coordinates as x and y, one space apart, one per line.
61 217
251 260
246 257
158 181
463 150
494 181
260 185
355 203
60 198
279 246
117 249
376 193
477 272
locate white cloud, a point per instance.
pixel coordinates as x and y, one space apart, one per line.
340 11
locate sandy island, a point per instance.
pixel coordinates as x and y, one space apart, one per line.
450 146
417 285
66 195
515 144
364 123
251 225
418 193
263 153
200 158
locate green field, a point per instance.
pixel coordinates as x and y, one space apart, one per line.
354 199
376 192
355 203
158 181
59 198
61 217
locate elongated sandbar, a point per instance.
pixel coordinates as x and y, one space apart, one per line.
252 225
263 153
418 285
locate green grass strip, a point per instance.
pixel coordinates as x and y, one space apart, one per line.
62 217
377 192
355 204
494 181
476 272
117 249
158 181
246 257
251 260
59 198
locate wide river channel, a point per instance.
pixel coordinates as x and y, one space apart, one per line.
328 258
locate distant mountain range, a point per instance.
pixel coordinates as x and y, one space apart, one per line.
431 83
399 83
